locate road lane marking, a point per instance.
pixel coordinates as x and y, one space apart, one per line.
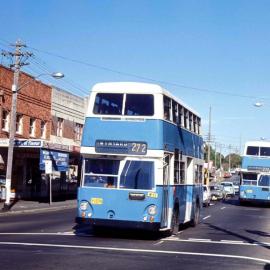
262 244
159 243
206 217
198 239
138 250
223 207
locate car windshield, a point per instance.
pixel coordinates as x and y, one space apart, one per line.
227 184
215 188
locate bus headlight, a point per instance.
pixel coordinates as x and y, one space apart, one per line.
83 205
152 210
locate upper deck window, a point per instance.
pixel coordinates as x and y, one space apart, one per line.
265 151
139 105
110 104
253 150
135 105
167 108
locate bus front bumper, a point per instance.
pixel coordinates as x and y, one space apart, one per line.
120 224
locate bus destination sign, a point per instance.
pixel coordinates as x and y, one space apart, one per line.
121 147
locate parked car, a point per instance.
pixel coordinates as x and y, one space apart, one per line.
206 195
217 192
2 188
229 188
236 188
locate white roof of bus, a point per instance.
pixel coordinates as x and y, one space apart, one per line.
258 143
137 87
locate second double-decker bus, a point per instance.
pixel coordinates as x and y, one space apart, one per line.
142 159
255 173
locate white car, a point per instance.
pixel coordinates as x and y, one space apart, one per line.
228 188
206 195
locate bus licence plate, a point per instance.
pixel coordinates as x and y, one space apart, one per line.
96 201
249 191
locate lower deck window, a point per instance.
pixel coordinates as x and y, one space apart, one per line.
106 173
137 175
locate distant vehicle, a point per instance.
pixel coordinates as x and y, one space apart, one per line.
2 180
255 173
206 195
227 175
217 192
236 188
228 188
2 188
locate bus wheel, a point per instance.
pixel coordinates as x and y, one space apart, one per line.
174 223
196 218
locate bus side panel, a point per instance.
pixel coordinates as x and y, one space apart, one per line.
187 196
176 137
172 136
255 162
254 193
115 130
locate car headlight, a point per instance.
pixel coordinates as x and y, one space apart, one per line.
152 210
83 206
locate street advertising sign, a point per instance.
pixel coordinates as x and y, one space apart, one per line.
48 166
59 160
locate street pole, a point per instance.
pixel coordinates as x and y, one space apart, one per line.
229 158
14 88
208 152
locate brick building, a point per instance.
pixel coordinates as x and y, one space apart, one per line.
33 126
48 127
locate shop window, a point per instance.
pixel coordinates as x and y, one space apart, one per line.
32 127
60 124
43 127
78 131
5 120
19 124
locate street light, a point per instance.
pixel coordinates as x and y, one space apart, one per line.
258 104
15 89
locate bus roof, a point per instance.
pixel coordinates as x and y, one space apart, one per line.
137 87
258 143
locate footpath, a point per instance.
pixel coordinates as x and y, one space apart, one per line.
22 206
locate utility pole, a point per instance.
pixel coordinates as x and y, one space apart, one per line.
209 147
229 158
19 56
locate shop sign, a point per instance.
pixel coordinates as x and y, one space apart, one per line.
27 143
59 160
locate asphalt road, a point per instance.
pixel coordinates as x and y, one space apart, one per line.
229 237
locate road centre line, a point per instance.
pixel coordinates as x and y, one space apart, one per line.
206 217
169 252
222 207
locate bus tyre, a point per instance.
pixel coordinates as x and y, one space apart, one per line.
196 218
174 223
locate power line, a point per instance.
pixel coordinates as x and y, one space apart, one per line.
145 78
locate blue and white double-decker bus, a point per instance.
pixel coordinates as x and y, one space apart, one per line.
142 159
255 173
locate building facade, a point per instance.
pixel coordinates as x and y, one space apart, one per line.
49 123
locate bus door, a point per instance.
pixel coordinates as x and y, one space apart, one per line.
166 186
263 191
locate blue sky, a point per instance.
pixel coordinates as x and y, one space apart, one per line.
221 46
